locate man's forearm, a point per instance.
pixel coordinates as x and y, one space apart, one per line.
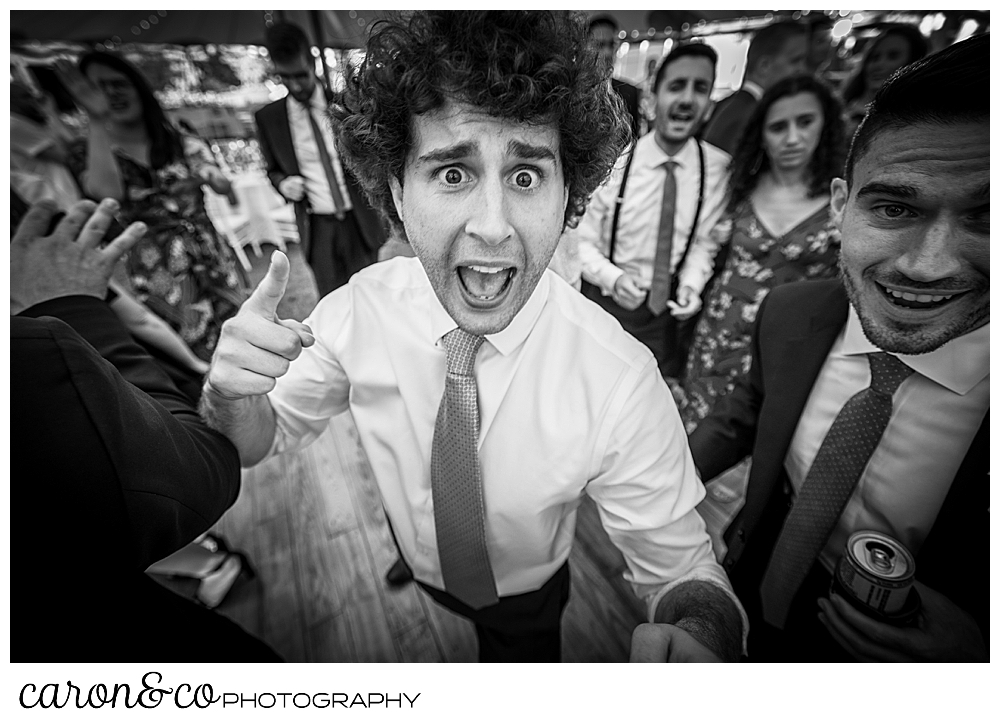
708 614
248 423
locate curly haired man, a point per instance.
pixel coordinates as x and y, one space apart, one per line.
488 394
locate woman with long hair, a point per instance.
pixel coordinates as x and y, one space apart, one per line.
894 47
182 270
779 225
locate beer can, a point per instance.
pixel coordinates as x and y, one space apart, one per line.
876 575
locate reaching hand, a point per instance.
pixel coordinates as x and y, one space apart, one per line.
687 304
87 95
255 346
664 643
292 187
68 262
627 293
943 633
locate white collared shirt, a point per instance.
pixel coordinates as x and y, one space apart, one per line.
639 220
307 153
936 414
569 404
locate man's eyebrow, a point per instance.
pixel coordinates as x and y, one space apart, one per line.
887 189
529 151
449 153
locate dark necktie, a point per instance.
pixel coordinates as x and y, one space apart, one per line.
831 479
659 290
456 480
324 159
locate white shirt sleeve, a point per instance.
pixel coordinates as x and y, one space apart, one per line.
593 234
646 493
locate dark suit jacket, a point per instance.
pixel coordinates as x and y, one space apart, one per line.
111 470
725 128
796 326
630 95
275 137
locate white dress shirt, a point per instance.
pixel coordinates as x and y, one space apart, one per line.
638 222
569 403
307 153
937 411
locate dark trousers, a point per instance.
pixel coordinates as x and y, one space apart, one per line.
337 250
659 333
519 628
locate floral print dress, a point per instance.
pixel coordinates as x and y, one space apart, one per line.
182 269
758 261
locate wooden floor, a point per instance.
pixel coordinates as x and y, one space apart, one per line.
313 526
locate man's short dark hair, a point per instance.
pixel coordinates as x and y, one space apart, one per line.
286 42
529 67
684 50
770 41
946 88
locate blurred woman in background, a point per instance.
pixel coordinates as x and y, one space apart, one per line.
894 47
182 269
780 230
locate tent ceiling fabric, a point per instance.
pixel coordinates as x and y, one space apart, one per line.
186 27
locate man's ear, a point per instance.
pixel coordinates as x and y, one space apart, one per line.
838 201
396 188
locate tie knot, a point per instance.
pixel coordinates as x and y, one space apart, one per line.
670 166
461 347
888 372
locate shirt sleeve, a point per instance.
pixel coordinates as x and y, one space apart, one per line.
646 492
592 234
710 237
316 386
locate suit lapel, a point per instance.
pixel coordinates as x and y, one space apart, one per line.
283 145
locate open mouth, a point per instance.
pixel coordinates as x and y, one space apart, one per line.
486 284
681 116
908 300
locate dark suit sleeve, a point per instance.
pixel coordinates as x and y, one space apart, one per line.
726 125
147 456
274 171
726 436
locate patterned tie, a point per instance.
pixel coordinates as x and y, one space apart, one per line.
841 459
324 159
659 290
456 483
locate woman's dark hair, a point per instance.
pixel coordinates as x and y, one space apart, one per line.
164 142
854 87
529 67
827 161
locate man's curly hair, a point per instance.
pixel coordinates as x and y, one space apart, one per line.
530 67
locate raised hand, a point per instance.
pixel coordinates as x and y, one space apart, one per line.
255 346
70 260
87 95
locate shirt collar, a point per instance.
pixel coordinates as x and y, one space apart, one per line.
654 156
958 365
506 340
753 89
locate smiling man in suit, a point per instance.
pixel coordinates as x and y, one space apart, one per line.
908 327
339 231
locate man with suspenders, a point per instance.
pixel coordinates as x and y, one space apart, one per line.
644 244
